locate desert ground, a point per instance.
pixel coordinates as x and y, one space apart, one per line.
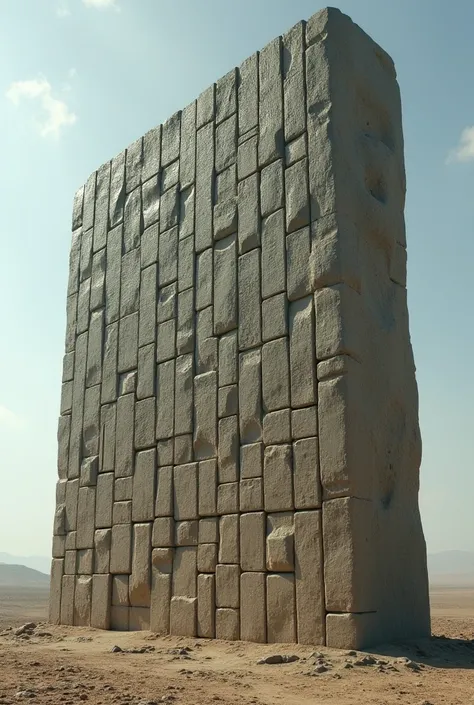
67 666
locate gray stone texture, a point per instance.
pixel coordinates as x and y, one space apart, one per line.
238 441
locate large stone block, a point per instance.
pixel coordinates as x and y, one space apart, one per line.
82 601
253 623
206 606
100 601
183 616
140 578
143 498
281 613
185 491
162 565
278 478
310 604
252 541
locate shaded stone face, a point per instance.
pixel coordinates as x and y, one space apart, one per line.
238 446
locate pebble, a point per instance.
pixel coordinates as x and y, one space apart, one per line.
278 658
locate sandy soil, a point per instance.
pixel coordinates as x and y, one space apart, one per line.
62 665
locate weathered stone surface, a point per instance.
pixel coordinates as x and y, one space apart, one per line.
205 415
132 220
249 300
228 359
119 619
226 143
165 380
229 539
183 449
209 530
225 285
204 184
57 569
151 152
349 538
250 404
185 572
67 599
302 363
253 624
206 106
275 375
186 533
227 624
271 140
85 517
247 157
124 453
117 189
228 401
294 81
206 609
248 94
206 558
228 498
340 326
183 615
104 501
310 607
183 414
249 213
187 156
100 603
120 590
251 460
122 512
139 619
102 544
185 490
251 495
351 631
280 547
296 197
252 541
97 299
143 508
273 255
140 578
185 323
82 601
298 272
281 614
295 150
162 566
121 550
278 478
304 422
276 427
228 586
164 491
206 348
271 188
306 482
207 484
204 279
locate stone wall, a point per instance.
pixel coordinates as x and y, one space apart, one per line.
239 447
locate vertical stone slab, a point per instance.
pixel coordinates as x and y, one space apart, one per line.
57 570
100 601
229 549
249 300
281 614
278 478
309 579
306 482
121 550
124 452
250 396
67 599
143 498
294 99
275 375
253 623
204 186
104 500
227 624
206 606
187 157
185 492
302 361
147 317
225 285
85 517
205 415
165 399
151 156
248 94
349 537
140 578
183 614
161 569
183 411
75 443
273 254
252 541
271 140
82 601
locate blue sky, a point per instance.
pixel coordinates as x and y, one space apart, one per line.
81 79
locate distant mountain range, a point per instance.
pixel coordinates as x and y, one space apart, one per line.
40 563
20 576
447 567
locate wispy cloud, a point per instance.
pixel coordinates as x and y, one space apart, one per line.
102 4
9 420
63 10
56 115
464 152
